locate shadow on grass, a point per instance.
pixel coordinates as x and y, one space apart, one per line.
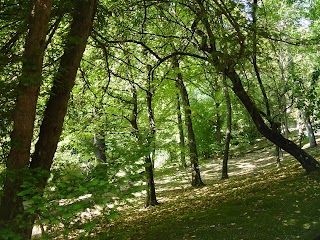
259 201
275 205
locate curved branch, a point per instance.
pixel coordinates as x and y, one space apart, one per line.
127 41
177 53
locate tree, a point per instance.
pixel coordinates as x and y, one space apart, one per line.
310 131
150 143
100 147
196 178
181 134
25 110
151 199
226 62
224 174
56 107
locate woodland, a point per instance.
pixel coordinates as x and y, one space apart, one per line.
108 108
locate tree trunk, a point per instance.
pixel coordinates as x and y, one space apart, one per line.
100 147
24 115
276 127
306 161
310 131
181 134
228 130
151 199
151 190
285 124
56 106
300 129
218 125
196 178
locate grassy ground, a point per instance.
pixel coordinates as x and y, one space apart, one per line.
260 203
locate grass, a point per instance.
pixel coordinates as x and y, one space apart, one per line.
258 201
270 204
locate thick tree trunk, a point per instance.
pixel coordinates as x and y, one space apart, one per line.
24 115
181 134
307 161
196 178
56 106
224 174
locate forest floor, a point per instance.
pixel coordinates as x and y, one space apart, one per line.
258 201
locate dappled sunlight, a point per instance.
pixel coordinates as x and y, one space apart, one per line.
254 163
250 163
307 145
169 182
249 176
264 193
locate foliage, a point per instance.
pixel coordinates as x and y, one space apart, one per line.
132 45
79 195
82 194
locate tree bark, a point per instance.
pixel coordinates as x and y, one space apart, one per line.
306 161
218 125
100 146
181 134
310 132
300 129
25 110
151 199
151 190
56 106
228 130
276 127
196 177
